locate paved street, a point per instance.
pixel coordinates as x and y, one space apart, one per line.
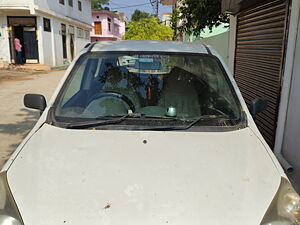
16 120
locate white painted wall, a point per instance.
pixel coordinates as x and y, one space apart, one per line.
232 42
65 10
4 43
45 43
58 42
53 55
39 25
49 43
80 42
16 2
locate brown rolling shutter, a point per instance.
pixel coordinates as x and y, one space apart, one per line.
260 45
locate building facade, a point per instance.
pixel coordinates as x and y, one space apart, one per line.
108 26
166 19
51 32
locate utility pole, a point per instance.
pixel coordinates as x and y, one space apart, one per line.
155 5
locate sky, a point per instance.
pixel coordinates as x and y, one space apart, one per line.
116 5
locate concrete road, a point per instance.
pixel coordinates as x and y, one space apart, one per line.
16 120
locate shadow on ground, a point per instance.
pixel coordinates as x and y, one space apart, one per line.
29 118
18 130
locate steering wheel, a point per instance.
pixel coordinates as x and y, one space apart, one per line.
114 95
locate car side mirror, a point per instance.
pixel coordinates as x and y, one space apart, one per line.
35 101
258 105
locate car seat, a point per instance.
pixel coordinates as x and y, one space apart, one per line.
179 92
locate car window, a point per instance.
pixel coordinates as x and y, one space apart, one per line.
74 85
190 85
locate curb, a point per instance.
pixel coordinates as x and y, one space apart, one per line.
60 67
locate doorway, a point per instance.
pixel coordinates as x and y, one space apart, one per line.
24 28
72 44
64 40
30 44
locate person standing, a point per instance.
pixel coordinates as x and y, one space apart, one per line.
18 48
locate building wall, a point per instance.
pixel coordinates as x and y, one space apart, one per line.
95 39
50 48
66 10
232 42
117 27
4 42
103 19
58 42
49 43
45 44
40 39
288 124
122 29
81 42
220 43
166 19
16 2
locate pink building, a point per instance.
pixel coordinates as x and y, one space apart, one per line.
107 26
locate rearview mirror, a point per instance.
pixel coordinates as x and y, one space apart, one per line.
258 105
35 101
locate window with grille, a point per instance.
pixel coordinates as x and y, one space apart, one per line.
71 3
62 2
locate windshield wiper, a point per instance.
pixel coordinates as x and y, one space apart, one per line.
138 115
194 122
98 123
120 118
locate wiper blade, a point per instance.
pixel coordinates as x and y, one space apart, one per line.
138 115
206 117
194 122
121 118
98 123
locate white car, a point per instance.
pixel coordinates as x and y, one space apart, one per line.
166 140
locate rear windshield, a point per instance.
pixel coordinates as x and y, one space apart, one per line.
182 86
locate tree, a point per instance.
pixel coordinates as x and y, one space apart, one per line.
98 4
138 14
193 16
148 29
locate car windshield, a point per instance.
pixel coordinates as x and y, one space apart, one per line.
158 85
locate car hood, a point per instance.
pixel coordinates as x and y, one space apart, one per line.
98 177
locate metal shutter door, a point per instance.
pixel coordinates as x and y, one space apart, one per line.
260 45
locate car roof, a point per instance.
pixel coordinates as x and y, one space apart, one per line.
149 46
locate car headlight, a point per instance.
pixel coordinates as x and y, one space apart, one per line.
285 207
9 213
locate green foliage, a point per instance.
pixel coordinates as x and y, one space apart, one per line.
174 22
98 4
148 29
193 16
138 14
